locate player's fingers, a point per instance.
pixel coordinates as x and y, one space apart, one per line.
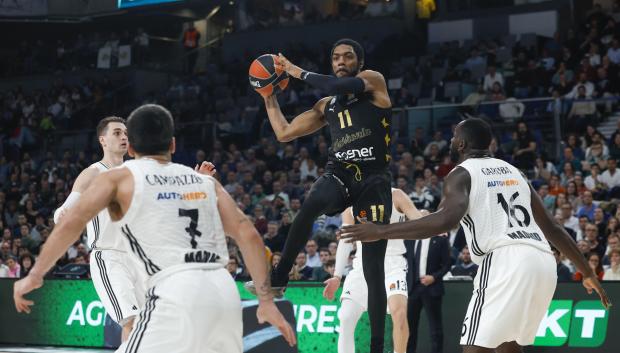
23 305
293 340
603 295
287 332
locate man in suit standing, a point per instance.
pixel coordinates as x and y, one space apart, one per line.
428 260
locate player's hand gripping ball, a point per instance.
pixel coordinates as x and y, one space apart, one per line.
265 77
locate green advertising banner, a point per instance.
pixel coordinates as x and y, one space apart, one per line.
68 313
317 319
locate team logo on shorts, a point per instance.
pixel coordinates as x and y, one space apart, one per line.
392 286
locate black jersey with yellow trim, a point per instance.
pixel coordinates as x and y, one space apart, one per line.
360 132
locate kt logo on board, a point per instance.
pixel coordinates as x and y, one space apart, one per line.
582 325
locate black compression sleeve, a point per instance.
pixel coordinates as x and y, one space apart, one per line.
333 85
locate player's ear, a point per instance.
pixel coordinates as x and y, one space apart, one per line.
360 66
130 151
101 140
173 146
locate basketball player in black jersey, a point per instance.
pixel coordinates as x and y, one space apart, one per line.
358 111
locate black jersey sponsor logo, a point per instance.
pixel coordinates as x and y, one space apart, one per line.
202 256
356 154
173 180
348 138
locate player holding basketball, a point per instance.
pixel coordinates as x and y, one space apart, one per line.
175 220
507 227
358 111
119 285
354 295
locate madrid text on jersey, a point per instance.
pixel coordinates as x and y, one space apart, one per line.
173 180
521 234
201 256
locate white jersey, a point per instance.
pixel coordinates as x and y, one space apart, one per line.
499 212
173 222
395 247
100 233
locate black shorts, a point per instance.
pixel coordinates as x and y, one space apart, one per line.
369 192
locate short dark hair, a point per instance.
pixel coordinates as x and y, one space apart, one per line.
150 129
324 250
102 126
357 47
477 133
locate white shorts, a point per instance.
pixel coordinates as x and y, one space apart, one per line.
119 284
189 311
355 287
512 292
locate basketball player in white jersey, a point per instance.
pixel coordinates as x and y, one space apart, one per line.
120 285
507 227
354 297
175 220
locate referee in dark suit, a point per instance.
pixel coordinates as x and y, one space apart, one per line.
428 260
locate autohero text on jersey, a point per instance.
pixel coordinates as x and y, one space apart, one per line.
173 180
188 196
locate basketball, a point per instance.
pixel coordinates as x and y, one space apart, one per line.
265 78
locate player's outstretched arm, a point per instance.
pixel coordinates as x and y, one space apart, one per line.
238 226
404 204
452 208
302 125
365 81
96 197
79 186
556 234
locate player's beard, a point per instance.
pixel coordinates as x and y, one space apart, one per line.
454 155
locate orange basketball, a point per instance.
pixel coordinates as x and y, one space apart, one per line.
265 78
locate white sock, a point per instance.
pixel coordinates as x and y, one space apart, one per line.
350 313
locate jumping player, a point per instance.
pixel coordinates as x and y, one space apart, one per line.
507 227
358 111
175 220
354 295
119 285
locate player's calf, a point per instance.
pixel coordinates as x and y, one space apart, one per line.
400 330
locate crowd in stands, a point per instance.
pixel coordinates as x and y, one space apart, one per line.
80 51
253 15
269 181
